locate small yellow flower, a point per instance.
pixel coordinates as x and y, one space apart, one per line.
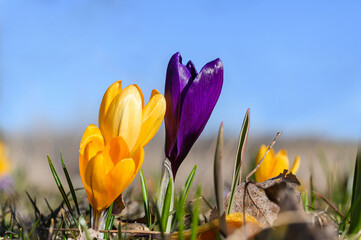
4 161
273 164
234 221
110 156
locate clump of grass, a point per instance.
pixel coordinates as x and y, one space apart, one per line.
337 206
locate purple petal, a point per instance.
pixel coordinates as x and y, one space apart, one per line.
198 102
176 79
192 69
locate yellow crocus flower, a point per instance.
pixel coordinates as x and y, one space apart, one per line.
4 161
110 156
274 164
122 113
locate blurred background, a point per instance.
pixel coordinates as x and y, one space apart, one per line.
295 64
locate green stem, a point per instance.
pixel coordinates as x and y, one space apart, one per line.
166 175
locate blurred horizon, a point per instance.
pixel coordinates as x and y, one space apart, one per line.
296 65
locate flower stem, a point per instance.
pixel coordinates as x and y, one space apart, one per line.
96 219
166 176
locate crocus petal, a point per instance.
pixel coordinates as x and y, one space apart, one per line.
177 78
91 143
118 150
91 133
95 184
198 101
296 164
138 159
124 116
110 94
280 163
267 164
152 117
119 178
192 70
140 93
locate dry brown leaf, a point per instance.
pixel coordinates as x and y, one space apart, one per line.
292 222
118 205
252 197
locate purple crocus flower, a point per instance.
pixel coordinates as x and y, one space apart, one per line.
190 99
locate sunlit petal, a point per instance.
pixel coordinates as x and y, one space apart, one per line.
296 164
119 178
91 134
118 150
138 159
108 98
124 116
152 117
267 164
95 184
280 163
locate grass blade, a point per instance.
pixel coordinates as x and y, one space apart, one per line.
161 229
188 185
119 231
145 198
355 217
218 182
108 221
304 198
166 205
195 217
70 184
84 227
33 228
237 173
60 187
183 198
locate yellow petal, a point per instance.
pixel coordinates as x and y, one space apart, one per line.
296 164
124 117
4 166
138 159
140 93
95 183
4 161
109 95
118 150
280 163
267 164
119 178
152 117
91 133
91 143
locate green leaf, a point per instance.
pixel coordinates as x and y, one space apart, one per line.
195 217
355 216
313 195
161 229
183 198
304 197
70 184
237 172
166 205
218 182
119 231
145 198
33 228
60 187
84 227
108 221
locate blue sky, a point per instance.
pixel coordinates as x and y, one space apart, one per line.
296 64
